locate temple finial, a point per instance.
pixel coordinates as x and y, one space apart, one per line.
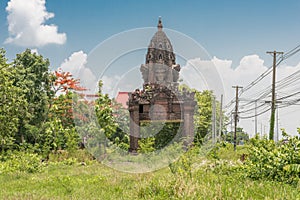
159 26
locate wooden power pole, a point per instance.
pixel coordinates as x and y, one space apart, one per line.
255 128
273 106
221 118
214 122
236 113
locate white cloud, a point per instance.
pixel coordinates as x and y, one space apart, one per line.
76 64
202 75
26 24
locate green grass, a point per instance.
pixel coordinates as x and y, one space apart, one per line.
97 181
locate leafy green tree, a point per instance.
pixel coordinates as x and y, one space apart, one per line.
106 122
104 112
33 78
241 136
62 109
113 122
60 132
203 114
11 104
57 137
121 135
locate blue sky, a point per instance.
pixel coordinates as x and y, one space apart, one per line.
226 29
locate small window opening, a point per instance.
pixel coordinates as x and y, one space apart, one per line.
141 109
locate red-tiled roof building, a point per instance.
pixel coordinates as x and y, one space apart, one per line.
122 98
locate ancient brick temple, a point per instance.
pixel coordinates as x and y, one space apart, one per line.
160 98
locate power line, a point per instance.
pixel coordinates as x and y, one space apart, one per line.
251 116
267 72
289 84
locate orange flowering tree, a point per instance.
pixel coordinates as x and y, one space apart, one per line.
61 128
65 82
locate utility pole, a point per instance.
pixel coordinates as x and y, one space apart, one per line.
277 134
231 127
214 120
261 130
221 117
255 117
273 107
236 113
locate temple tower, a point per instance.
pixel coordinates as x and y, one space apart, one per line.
160 99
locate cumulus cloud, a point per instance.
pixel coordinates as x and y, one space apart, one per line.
202 75
76 64
26 24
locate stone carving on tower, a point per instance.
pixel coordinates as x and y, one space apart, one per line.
160 98
160 66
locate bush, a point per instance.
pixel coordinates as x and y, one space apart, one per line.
274 161
19 161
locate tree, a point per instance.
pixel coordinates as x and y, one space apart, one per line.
11 104
241 136
121 136
60 132
203 113
202 117
65 82
104 112
65 87
33 78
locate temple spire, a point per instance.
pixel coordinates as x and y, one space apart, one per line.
159 26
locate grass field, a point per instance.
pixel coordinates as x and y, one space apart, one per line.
59 180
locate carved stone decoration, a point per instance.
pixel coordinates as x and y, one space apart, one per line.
160 98
175 72
145 72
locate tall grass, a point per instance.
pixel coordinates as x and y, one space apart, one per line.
192 176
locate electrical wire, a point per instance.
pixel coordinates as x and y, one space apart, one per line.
290 82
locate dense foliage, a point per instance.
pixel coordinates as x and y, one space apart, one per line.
36 105
33 78
274 161
12 104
